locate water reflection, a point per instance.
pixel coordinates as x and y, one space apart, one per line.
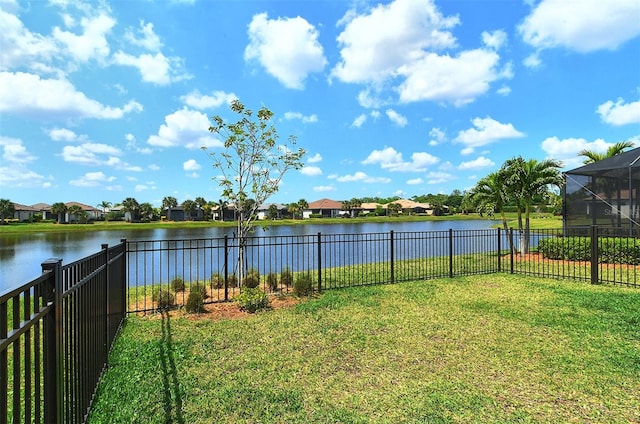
21 255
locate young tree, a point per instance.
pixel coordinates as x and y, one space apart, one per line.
222 205
252 164
293 209
6 210
302 206
168 203
78 213
272 212
59 209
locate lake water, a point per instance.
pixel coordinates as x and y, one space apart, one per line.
21 255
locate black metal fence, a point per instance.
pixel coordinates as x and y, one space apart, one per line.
56 331
55 335
343 260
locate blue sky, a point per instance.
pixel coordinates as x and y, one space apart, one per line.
108 100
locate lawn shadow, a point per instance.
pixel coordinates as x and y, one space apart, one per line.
172 396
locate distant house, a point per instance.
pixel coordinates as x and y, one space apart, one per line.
44 209
92 213
179 214
24 212
326 208
263 210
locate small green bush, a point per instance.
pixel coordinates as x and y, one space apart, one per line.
303 285
217 281
195 301
177 284
252 279
272 281
286 277
233 280
164 299
253 300
200 288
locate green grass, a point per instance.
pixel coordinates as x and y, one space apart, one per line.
491 348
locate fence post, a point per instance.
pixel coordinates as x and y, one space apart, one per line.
392 254
319 262
226 268
499 251
511 248
594 255
52 344
450 252
107 301
124 280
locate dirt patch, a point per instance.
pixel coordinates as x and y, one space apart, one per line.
227 310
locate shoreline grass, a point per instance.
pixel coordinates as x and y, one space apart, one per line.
489 348
538 222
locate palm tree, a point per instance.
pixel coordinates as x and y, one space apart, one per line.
293 208
222 205
76 212
302 206
146 211
7 209
59 209
355 204
104 205
614 150
168 203
526 179
201 203
189 206
490 192
394 208
132 206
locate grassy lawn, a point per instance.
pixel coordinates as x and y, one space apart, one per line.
489 348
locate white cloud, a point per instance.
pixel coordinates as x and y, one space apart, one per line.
28 94
297 115
148 39
90 153
92 179
396 118
14 151
315 158
156 69
439 177
191 165
391 160
437 136
479 163
63 134
566 150
204 101
495 39
320 189
619 113
363 178
582 26
458 80
287 48
415 181
359 121
311 171
532 61
185 127
92 43
144 187
504 90
375 44
487 130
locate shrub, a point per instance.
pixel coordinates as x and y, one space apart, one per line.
177 284
610 249
253 300
200 288
252 279
195 301
164 299
286 277
233 280
272 281
217 281
302 286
